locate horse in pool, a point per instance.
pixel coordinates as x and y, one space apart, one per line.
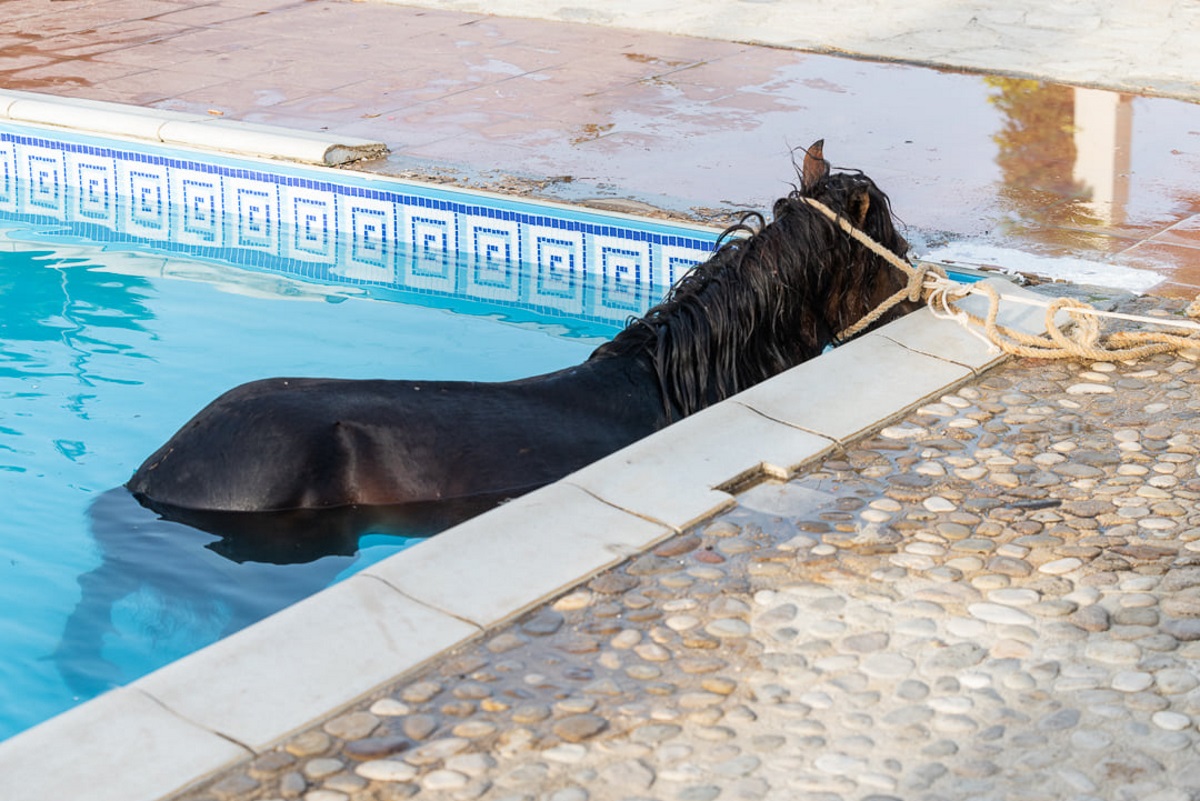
267 494
770 297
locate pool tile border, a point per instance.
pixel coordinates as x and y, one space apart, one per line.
503 563
383 236
346 640
241 695
896 379
123 745
689 464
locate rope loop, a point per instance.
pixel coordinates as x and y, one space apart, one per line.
1085 339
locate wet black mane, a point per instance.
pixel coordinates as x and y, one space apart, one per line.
771 296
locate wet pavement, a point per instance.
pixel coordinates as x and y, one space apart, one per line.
695 127
994 597
1123 45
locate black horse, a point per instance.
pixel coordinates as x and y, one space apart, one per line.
770 297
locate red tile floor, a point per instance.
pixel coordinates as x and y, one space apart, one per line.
694 127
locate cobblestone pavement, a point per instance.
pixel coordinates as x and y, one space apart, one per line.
997 596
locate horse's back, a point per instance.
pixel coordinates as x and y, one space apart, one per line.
282 443
242 451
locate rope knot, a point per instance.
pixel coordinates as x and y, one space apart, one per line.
1193 309
916 281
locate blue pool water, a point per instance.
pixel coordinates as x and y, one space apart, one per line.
103 354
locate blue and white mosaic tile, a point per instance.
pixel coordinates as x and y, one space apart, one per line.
344 227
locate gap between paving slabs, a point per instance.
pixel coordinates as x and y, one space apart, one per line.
244 694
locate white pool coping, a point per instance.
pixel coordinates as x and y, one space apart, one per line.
244 694
182 129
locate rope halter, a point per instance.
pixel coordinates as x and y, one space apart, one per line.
930 282
922 278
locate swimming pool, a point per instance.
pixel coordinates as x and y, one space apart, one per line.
138 284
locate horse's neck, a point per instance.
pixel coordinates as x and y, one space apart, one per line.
620 385
717 363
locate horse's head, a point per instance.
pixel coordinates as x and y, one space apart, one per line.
771 296
853 281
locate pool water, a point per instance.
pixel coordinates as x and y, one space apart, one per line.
103 354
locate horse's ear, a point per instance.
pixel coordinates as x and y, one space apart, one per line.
816 168
860 203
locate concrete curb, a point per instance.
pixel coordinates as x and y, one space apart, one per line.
188 130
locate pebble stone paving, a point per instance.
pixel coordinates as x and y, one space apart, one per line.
995 597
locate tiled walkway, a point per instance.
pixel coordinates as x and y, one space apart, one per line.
693 126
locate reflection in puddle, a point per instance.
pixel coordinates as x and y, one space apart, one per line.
1103 130
1065 147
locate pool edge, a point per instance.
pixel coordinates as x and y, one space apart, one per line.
422 602
177 128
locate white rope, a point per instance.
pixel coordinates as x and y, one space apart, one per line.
967 289
942 307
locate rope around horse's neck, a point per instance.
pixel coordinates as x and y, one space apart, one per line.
930 282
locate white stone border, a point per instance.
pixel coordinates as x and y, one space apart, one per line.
177 128
240 696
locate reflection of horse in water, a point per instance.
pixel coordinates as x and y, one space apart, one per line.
293 471
201 576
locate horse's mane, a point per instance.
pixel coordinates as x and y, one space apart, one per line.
771 296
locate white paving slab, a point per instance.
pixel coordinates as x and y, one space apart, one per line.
854 387
944 339
263 682
499 564
121 746
673 477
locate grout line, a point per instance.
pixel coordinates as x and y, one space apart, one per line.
833 441
976 371
673 530
171 710
422 602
